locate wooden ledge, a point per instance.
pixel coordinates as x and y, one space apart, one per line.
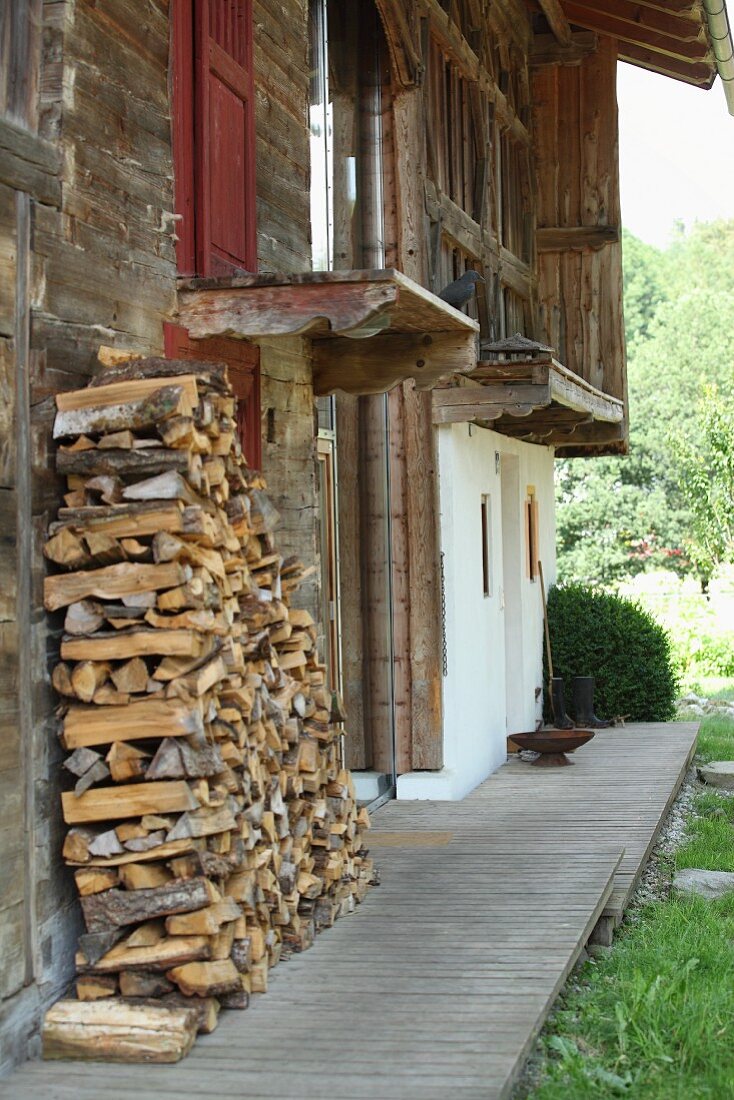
370 330
539 400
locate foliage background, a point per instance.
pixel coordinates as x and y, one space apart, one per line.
621 516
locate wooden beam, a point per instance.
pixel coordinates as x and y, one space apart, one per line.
702 75
601 435
636 35
547 50
418 439
376 365
557 21
563 237
645 17
405 57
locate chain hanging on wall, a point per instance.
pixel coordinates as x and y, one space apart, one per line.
444 644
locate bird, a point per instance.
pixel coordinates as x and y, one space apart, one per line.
460 291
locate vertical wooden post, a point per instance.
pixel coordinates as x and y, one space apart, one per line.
376 556
350 568
400 584
419 466
24 565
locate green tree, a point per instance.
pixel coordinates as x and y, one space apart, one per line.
620 516
705 472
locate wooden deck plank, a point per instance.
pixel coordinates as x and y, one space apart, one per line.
440 983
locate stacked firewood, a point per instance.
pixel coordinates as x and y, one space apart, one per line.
213 828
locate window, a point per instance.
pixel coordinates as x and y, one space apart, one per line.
214 136
486 511
243 369
531 533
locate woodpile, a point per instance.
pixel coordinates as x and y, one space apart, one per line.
213 828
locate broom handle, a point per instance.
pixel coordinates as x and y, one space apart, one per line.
545 622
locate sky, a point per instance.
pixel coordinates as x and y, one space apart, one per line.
676 149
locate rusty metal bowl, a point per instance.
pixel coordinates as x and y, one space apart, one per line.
552 745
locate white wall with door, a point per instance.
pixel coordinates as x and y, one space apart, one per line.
497 517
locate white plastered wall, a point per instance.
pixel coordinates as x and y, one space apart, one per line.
494 643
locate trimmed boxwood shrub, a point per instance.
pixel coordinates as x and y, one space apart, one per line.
617 641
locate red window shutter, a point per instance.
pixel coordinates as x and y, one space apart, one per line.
243 368
214 136
224 136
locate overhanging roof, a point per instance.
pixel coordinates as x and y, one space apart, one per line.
369 330
537 399
665 36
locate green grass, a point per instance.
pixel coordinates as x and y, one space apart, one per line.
711 845
712 687
654 1019
716 739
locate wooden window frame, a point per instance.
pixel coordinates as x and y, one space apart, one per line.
190 136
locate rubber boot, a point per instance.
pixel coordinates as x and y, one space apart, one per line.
561 721
582 688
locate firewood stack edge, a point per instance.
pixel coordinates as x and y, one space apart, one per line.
213 828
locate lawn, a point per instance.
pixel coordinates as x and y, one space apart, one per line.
653 1019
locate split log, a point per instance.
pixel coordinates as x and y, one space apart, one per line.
83 617
180 760
144 983
134 643
108 486
131 677
122 520
61 680
206 979
206 921
142 719
144 876
133 800
126 762
122 463
145 412
172 951
166 486
92 987
109 392
66 548
112 582
116 908
86 677
113 1031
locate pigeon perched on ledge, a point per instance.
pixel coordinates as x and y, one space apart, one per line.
459 292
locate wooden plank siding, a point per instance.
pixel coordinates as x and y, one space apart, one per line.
579 281
441 982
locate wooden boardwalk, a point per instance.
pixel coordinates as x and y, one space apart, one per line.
439 984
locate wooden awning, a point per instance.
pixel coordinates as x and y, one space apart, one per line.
537 400
670 38
369 330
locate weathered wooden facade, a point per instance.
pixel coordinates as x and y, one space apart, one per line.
151 154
